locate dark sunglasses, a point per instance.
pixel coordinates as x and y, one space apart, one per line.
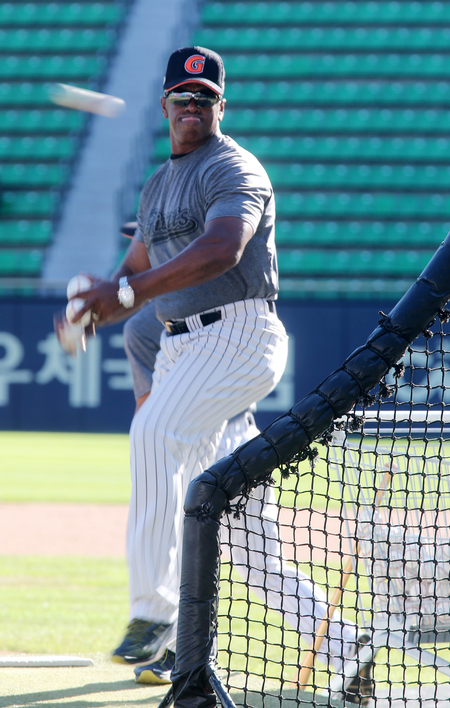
202 100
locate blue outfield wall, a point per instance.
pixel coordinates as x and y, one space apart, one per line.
41 388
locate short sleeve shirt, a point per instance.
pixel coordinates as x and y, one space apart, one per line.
219 179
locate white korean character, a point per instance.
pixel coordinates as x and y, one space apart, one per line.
9 373
82 375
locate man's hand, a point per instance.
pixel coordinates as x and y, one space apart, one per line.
102 300
69 337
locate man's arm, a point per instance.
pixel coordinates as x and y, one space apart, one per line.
135 261
218 250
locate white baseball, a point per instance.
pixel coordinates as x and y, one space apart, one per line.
78 284
69 337
72 309
83 100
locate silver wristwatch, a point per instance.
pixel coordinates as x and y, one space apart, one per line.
125 293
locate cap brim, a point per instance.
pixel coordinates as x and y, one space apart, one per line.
204 82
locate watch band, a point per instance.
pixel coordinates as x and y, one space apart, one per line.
125 293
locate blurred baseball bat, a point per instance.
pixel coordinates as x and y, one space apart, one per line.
308 662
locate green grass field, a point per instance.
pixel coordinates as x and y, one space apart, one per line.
64 467
64 605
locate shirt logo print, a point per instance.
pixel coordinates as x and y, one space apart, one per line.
163 226
195 64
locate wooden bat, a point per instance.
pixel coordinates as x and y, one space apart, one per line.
308 662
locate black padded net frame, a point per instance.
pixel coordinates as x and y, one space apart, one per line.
344 505
375 498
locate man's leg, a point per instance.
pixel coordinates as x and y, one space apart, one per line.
201 379
253 544
252 541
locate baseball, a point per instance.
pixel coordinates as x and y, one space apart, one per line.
83 100
78 284
73 307
69 337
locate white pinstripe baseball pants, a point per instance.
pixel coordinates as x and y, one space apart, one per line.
253 544
201 379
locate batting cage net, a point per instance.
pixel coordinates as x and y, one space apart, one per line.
335 580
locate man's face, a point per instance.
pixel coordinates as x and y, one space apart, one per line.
191 126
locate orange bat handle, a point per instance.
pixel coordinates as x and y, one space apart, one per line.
308 662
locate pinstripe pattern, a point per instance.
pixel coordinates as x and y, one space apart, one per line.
252 542
201 379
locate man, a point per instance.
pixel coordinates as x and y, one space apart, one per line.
205 250
251 541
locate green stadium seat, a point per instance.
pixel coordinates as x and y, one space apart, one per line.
54 13
328 93
350 262
358 13
25 231
358 205
53 67
353 288
392 234
356 175
20 261
55 40
48 147
43 121
34 174
26 203
42 42
322 120
286 66
24 93
338 147
324 38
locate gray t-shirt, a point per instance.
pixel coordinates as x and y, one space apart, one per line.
218 179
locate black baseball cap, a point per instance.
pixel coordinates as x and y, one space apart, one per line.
195 64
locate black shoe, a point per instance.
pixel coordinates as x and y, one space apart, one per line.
157 672
141 642
361 690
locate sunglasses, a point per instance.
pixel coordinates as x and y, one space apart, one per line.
202 100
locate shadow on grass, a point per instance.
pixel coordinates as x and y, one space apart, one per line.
36 699
272 696
104 697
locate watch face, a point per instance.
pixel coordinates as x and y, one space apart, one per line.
126 296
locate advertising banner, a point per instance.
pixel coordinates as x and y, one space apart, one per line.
42 388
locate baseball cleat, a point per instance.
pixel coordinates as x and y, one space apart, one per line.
158 672
142 640
362 687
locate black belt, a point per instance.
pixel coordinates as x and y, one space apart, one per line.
180 327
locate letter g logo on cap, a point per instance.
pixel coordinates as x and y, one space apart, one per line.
195 64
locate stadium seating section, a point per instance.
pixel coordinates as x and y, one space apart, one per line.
347 104
41 43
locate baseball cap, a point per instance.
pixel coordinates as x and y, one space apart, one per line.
195 64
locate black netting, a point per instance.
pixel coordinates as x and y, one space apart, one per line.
373 503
